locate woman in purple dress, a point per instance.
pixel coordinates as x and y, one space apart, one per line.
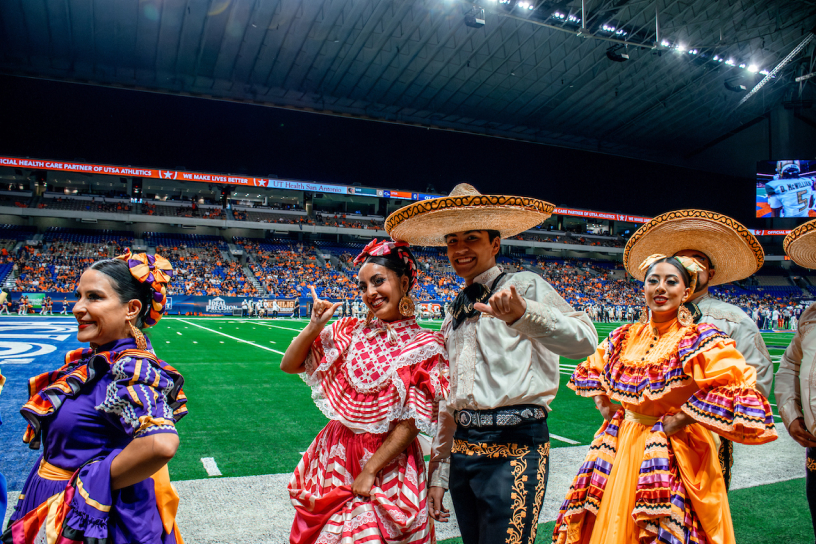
106 420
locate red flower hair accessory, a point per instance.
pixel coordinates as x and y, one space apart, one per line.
157 272
387 247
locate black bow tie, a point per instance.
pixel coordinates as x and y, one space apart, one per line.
463 304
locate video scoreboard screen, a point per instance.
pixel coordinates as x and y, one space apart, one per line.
786 188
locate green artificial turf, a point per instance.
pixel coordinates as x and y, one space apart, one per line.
253 419
775 513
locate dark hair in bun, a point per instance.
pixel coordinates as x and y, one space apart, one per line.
675 263
126 286
394 262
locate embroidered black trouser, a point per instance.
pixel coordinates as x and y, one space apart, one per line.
498 480
810 484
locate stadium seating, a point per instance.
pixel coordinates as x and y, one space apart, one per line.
287 268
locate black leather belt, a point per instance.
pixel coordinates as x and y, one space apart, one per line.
499 417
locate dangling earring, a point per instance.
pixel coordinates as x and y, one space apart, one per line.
406 306
644 315
141 342
369 318
684 316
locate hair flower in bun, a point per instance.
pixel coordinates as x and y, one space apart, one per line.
155 271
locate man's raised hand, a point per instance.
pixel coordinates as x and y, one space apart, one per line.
322 310
506 305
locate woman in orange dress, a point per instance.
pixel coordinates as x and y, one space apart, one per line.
652 473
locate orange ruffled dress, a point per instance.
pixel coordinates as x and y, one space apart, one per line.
638 485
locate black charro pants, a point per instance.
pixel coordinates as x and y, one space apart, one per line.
498 480
810 485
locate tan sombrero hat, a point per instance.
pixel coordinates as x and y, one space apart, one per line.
800 244
733 250
427 222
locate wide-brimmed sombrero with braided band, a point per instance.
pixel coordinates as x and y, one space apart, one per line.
800 244
427 222
734 252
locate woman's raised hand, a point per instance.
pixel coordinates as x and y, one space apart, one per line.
322 310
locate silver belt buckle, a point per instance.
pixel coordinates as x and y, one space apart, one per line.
464 418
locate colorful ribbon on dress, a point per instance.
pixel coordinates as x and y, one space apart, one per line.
386 247
157 272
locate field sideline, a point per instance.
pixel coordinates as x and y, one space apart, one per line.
235 388
248 419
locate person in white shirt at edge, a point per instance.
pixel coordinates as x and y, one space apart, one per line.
275 309
795 387
698 234
775 319
504 335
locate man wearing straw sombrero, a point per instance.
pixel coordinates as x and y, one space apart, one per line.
504 335
727 252
795 387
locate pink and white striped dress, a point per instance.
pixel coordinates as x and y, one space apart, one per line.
365 379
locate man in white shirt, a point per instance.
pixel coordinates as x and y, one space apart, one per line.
795 387
504 364
504 335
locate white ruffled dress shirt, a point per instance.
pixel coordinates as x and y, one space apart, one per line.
495 365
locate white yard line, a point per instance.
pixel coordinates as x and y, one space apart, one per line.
210 466
562 439
233 337
275 326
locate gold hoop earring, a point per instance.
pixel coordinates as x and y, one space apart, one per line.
644 315
406 306
141 342
369 318
684 316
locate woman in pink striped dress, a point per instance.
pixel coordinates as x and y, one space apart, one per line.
379 380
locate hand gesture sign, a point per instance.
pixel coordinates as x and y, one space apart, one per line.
322 310
506 305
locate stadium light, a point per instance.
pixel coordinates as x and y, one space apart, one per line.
665 43
753 69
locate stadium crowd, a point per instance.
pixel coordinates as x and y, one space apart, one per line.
286 269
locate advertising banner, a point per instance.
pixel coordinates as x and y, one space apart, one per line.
203 305
769 232
602 215
155 173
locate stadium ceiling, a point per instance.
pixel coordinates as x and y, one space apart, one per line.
549 71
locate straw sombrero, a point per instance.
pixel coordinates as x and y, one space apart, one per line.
800 244
733 250
427 222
